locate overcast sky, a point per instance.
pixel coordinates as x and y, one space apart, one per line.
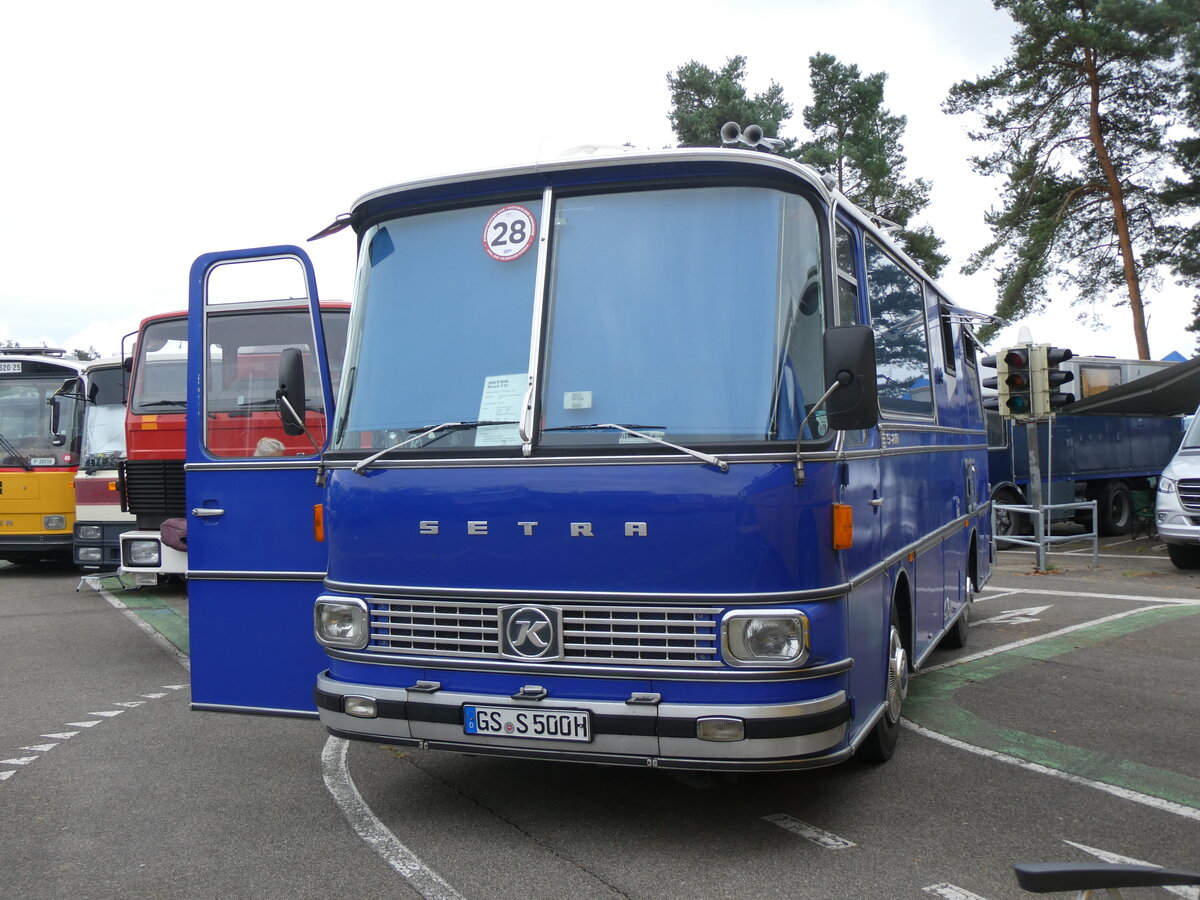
138 135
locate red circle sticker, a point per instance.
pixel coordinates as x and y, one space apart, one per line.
509 233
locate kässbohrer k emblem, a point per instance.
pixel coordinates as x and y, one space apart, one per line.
531 632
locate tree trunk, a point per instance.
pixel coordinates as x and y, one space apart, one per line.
1120 218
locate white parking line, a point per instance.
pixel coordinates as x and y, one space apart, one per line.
1158 803
810 833
428 883
951 892
1004 648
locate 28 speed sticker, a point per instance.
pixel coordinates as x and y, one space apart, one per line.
509 233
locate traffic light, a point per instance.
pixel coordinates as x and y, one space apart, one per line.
1052 398
1013 383
1018 381
996 403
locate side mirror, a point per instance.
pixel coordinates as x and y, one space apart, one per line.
57 438
850 361
289 398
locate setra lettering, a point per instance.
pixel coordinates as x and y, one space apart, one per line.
482 528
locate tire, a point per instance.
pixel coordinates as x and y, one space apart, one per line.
880 744
1114 509
956 637
1184 556
1006 522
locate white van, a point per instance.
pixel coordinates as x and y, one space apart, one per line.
1177 507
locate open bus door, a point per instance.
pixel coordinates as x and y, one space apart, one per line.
255 564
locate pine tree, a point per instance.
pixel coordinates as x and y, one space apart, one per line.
1077 117
859 142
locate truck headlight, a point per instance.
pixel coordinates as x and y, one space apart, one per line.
89 532
765 637
91 554
141 552
342 622
1166 485
54 523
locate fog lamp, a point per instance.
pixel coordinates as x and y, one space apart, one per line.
363 707
341 622
765 637
720 728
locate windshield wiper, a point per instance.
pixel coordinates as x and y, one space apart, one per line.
164 403
446 427
632 429
13 451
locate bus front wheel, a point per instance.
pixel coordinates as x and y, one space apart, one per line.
881 742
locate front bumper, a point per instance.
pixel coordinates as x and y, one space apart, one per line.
1175 524
638 732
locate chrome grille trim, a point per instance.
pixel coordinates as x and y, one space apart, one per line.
592 633
1189 493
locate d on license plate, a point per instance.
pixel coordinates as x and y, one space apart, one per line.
522 722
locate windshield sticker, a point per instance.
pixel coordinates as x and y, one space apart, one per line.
509 233
501 402
577 400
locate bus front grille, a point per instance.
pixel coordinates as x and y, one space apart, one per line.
1189 493
621 635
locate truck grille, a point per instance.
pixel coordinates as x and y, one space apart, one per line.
1189 493
622 635
153 487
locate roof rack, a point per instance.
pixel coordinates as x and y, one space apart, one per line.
33 351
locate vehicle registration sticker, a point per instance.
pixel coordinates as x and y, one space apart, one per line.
523 722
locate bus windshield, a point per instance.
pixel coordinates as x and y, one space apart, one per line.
690 313
26 389
104 418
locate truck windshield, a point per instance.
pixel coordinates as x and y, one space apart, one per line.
693 314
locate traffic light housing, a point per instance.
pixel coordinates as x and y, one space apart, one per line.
1049 378
1013 383
1018 380
996 403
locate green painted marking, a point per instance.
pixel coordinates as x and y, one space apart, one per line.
930 705
169 623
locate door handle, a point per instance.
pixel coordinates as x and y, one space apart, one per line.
875 501
202 513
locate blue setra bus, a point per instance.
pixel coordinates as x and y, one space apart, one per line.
668 459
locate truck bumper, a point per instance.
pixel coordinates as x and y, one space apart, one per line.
779 736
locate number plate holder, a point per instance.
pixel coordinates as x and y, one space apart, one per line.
523 722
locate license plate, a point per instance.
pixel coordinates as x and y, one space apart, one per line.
523 722
10 368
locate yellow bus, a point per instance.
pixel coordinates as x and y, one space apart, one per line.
40 429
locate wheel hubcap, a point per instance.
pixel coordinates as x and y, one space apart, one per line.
897 687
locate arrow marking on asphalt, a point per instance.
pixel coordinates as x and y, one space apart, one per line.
1015 616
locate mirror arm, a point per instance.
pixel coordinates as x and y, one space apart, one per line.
843 379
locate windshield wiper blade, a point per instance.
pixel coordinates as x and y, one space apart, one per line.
446 427
164 403
633 429
13 451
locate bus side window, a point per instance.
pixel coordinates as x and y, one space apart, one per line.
847 279
948 342
901 339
